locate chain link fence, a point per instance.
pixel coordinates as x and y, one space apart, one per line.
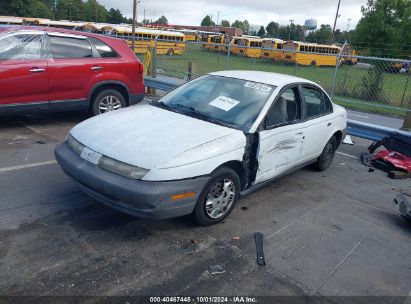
369 84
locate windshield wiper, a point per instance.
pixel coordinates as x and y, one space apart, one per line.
205 116
162 105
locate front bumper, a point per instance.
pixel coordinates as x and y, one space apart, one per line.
138 198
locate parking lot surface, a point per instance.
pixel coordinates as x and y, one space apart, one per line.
326 233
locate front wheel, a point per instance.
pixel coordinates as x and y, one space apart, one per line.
218 197
327 156
107 101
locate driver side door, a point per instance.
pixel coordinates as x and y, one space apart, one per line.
281 141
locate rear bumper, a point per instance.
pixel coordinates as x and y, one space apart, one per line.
135 98
138 198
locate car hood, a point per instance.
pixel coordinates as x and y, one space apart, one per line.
145 135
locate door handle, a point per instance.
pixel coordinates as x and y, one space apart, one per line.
37 70
299 133
96 68
329 124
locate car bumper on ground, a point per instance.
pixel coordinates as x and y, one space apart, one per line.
135 98
138 198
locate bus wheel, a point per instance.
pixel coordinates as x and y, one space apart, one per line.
313 63
170 52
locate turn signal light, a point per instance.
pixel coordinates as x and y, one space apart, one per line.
183 195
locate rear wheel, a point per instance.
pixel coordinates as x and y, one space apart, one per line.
327 156
106 101
313 63
170 52
218 197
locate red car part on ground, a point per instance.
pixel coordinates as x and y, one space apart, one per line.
396 159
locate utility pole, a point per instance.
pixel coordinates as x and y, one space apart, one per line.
336 17
218 18
133 27
144 15
348 23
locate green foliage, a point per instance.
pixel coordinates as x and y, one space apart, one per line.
114 16
272 29
207 21
161 20
322 35
384 28
372 84
261 32
243 25
225 23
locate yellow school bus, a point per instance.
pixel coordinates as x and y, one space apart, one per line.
249 46
189 35
348 53
64 24
215 43
10 20
311 53
167 42
272 48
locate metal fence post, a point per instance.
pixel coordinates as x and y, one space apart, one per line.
334 83
407 120
405 89
227 61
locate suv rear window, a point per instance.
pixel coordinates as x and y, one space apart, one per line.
67 47
103 49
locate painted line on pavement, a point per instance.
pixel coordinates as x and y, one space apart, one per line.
348 155
15 168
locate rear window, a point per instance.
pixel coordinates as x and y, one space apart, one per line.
67 47
103 49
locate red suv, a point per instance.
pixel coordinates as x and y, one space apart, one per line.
49 68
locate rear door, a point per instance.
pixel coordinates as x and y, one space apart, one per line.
281 141
318 120
74 67
23 71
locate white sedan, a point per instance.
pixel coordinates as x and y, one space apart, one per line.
203 145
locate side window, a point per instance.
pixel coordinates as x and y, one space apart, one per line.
21 47
317 103
103 49
286 109
67 47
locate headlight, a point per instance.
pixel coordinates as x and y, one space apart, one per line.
121 168
74 144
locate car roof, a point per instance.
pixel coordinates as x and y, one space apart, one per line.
274 79
12 28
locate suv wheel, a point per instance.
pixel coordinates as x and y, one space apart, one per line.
107 101
218 197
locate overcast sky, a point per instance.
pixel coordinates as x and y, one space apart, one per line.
257 12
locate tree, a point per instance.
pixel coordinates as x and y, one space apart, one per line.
261 31
207 21
272 29
384 22
243 25
322 35
225 23
114 16
161 20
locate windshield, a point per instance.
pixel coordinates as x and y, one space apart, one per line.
232 102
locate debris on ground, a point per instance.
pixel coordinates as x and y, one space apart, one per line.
394 159
259 238
403 205
244 208
347 140
236 238
215 269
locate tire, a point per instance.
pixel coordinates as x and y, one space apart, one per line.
206 213
313 63
108 99
327 156
170 52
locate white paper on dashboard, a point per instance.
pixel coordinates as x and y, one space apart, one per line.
224 103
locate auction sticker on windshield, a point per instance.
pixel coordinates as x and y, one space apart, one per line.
257 86
224 103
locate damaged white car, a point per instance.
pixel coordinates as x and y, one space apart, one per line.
203 145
